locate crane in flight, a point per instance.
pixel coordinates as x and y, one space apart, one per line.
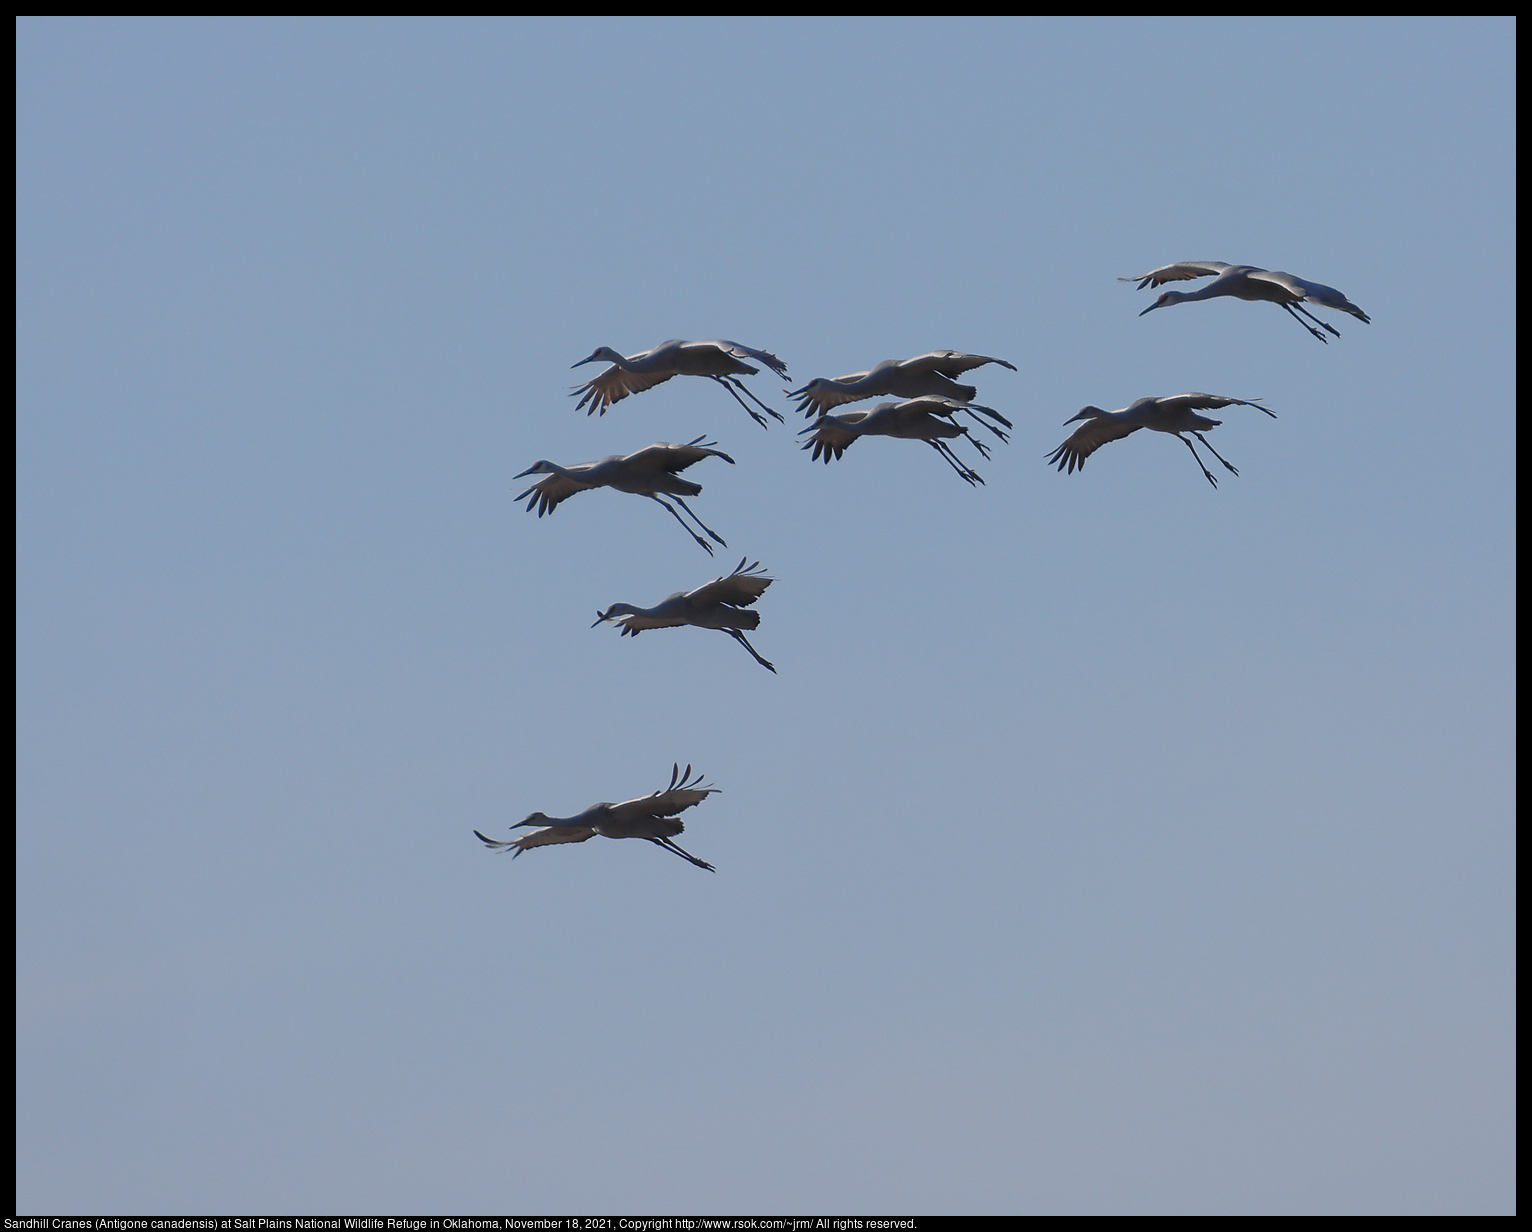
645 473
649 817
926 419
719 360
722 604
1174 415
935 372
1287 291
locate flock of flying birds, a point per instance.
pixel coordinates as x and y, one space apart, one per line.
928 402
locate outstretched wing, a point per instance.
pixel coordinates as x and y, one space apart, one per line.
614 385
1177 272
740 351
1209 402
930 404
1071 455
652 817
676 458
831 438
822 393
951 364
683 792
548 493
1313 292
541 838
650 368
936 404
740 589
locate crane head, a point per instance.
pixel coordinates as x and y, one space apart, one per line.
605 353
541 467
1169 297
615 612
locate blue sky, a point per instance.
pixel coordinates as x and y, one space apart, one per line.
1106 844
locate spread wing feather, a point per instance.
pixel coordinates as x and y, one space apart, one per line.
1071 455
951 364
1175 273
542 838
739 589
1208 402
740 351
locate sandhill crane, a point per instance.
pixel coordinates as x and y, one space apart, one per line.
931 373
1250 282
645 473
719 360
1174 415
648 817
918 419
721 604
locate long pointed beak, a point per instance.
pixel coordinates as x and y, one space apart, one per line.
1151 308
588 359
600 619
529 471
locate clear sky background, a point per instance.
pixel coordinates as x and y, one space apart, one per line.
1107 844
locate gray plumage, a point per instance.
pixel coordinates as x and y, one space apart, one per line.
1250 282
933 373
649 817
1173 415
722 604
926 419
645 473
718 359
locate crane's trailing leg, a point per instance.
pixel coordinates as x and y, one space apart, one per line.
1211 478
706 546
735 380
1288 308
697 520
729 385
1214 452
686 855
740 638
1316 320
1003 437
945 450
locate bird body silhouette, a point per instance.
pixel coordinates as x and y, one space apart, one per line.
724 603
647 472
926 419
933 373
1173 415
718 359
1287 291
649 817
